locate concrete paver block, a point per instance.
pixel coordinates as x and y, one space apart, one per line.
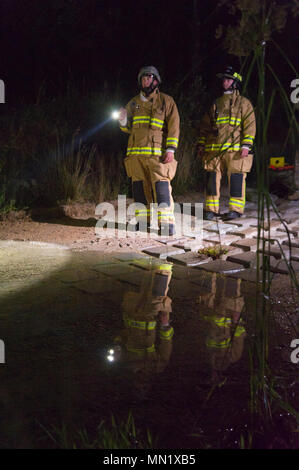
276 252
98 286
172 241
248 275
221 266
193 246
243 232
229 239
189 259
75 275
292 230
247 259
148 264
294 243
163 251
280 266
219 227
246 245
128 256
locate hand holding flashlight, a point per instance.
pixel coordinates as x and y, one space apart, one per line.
122 114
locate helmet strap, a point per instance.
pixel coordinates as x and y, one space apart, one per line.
148 90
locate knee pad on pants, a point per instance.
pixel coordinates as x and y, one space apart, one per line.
211 188
138 192
236 184
160 285
162 192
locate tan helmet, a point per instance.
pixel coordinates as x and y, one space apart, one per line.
149 69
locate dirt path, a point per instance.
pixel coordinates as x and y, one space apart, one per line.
73 226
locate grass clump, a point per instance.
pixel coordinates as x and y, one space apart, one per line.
214 252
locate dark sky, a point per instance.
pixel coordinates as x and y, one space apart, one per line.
104 43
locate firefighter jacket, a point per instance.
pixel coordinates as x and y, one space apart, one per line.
229 125
148 344
225 332
153 125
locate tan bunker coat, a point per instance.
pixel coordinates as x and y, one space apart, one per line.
153 124
225 130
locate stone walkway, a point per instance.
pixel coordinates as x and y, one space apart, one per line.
239 240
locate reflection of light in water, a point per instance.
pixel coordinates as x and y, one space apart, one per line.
110 356
23 264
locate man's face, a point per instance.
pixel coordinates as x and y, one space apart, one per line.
227 83
147 80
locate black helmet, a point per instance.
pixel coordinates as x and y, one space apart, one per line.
149 70
229 72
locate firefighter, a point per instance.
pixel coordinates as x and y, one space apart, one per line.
152 120
225 143
145 343
225 333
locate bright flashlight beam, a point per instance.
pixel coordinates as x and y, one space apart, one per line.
115 115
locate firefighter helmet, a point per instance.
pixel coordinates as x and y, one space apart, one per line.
149 69
229 72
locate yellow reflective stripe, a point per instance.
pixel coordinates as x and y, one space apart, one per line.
159 121
141 212
148 120
226 146
248 139
212 203
234 120
237 200
150 349
172 139
159 126
218 344
222 119
237 203
165 267
172 142
219 321
137 118
141 325
240 330
202 140
144 150
166 334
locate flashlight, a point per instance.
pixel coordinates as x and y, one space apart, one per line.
115 115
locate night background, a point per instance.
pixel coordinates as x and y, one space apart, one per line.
67 64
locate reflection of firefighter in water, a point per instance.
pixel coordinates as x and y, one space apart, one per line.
145 344
225 331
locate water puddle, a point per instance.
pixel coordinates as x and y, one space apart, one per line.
88 336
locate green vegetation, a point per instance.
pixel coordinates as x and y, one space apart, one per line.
214 252
263 18
114 435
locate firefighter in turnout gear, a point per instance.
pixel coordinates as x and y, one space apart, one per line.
152 120
226 137
146 341
225 333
